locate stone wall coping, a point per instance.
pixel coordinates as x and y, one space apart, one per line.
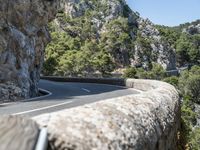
149 120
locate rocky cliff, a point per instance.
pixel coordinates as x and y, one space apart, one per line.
190 27
159 51
193 29
23 37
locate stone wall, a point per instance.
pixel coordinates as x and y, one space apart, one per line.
146 121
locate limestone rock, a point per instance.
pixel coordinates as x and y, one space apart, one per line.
23 36
192 29
161 51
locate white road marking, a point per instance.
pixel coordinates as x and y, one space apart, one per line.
86 90
39 97
30 99
4 104
43 108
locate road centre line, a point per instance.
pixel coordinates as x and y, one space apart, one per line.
86 90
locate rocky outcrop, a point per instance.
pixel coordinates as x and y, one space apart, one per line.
23 36
149 120
77 8
192 29
160 51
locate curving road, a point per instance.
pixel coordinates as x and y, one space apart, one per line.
64 95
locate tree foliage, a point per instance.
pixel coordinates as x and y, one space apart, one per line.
189 83
157 72
187 45
77 47
130 72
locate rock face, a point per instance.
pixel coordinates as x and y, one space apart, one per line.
146 121
77 8
193 29
160 51
23 36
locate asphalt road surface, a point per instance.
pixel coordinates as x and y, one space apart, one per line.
64 95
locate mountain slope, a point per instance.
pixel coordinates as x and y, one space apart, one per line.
185 38
90 36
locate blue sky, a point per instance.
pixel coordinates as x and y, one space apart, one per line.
167 12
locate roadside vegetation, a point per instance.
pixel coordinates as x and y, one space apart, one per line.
78 48
187 45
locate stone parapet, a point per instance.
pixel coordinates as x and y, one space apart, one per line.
145 121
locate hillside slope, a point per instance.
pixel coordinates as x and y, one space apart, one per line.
90 36
185 38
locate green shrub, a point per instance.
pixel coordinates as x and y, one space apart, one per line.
130 72
49 66
172 80
156 73
188 119
189 83
195 139
193 88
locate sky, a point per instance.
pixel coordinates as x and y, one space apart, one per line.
167 12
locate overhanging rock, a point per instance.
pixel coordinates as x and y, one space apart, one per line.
23 36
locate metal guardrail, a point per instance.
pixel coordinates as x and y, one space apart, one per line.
42 142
